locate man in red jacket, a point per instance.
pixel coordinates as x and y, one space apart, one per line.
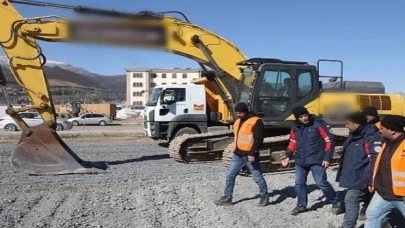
313 145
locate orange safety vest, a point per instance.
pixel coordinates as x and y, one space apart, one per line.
397 169
244 136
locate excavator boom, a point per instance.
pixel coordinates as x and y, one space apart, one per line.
232 78
40 150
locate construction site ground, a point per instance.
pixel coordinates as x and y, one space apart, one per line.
143 187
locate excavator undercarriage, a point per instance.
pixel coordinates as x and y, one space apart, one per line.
200 148
274 147
218 146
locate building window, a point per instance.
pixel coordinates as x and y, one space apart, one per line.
184 83
137 84
163 75
184 75
174 75
152 85
137 75
137 103
137 94
163 83
174 83
153 75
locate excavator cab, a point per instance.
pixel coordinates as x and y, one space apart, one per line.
274 87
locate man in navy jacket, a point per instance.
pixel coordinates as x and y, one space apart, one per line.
357 164
313 144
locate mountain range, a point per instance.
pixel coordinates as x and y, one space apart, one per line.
62 74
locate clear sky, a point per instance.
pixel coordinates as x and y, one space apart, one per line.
368 36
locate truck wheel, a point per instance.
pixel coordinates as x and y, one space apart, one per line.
185 131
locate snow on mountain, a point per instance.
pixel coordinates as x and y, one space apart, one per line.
69 67
63 65
62 71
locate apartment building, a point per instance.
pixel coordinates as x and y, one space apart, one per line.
141 81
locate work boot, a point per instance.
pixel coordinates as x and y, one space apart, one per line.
264 201
298 209
362 214
337 208
224 201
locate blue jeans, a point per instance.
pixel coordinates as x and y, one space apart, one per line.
319 174
237 164
379 208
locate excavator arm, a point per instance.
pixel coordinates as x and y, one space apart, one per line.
40 150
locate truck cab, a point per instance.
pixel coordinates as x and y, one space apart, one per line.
175 110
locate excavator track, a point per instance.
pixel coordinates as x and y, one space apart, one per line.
218 146
200 148
273 148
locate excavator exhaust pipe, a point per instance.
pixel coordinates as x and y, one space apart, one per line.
41 151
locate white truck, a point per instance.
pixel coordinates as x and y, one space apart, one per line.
175 110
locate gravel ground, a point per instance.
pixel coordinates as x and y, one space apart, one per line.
143 187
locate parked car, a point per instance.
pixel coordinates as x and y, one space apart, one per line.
31 119
91 119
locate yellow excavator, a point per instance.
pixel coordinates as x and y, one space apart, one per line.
271 87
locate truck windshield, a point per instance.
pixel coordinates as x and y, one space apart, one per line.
154 97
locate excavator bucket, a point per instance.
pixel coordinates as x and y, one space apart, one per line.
41 151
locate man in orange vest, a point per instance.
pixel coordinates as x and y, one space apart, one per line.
248 132
372 116
388 181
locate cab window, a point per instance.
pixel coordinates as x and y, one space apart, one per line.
174 95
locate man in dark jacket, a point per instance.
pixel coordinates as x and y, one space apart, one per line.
357 164
313 145
248 130
374 119
372 116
